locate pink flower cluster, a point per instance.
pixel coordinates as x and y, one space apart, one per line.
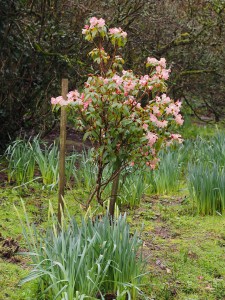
132 102
153 163
174 109
94 22
59 100
72 97
158 123
152 138
152 61
144 80
160 66
171 109
176 137
117 31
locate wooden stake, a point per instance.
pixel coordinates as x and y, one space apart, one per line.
62 152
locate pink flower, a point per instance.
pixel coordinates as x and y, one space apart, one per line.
161 124
114 30
73 95
63 102
132 164
153 118
59 100
119 30
178 103
153 163
172 109
55 101
145 126
176 137
152 61
128 86
86 103
165 99
165 73
162 63
125 72
93 22
156 110
144 80
152 138
138 105
84 31
101 22
179 119
158 69
118 80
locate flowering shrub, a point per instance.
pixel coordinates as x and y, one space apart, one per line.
113 111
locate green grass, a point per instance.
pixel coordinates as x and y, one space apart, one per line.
190 250
21 161
10 274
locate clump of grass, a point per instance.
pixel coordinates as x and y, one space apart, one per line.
132 188
24 156
47 158
21 162
206 186
85 174
70 167
167 177
206 174
90 260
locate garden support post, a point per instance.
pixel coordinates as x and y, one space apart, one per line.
62 152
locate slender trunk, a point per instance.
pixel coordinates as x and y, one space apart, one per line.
114 192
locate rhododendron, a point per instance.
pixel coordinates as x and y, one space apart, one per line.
162 62
96 22
152 61
176 137
113 31
165 74
128 117
179 119
152 138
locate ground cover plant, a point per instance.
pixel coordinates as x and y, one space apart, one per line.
24 157
86 260
206 174
21 161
